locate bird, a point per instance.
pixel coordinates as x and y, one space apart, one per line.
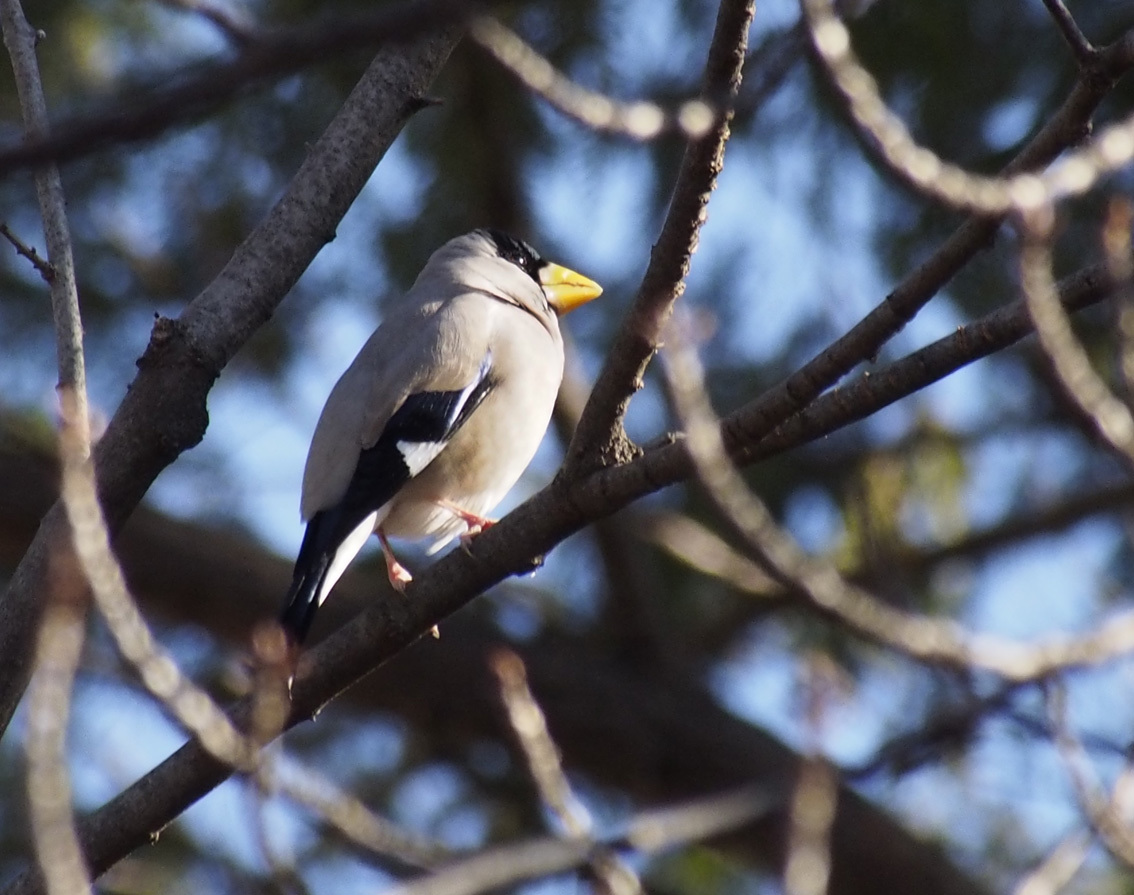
438 415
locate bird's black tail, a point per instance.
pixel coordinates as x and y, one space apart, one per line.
311 569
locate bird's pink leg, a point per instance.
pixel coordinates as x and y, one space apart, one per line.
474 524
399 575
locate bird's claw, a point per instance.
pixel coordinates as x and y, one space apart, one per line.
398 574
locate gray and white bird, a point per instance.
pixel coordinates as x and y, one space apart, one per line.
438 415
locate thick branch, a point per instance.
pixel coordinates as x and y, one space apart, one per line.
660 740
164 411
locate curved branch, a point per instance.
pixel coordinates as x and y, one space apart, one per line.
932 176
1065 354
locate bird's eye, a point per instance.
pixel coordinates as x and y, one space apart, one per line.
518 252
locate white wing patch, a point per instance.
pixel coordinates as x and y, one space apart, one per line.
419 454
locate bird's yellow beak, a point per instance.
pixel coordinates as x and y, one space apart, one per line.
565 289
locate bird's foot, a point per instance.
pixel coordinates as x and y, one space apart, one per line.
472 531
474 523
398 574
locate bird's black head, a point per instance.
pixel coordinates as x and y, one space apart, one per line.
517 251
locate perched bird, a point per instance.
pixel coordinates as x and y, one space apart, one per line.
438 415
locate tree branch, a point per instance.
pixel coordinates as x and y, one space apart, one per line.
662 737
143 112
599 439
1084 51
389 625
919 168
1068 126
164 411
57 644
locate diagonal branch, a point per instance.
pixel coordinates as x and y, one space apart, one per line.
599 439
1084 51
1068 126
164 411
389 625
190 95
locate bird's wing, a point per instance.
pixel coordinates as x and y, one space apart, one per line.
428 360
424 419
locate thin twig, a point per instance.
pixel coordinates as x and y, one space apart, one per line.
1068 126
641 121
20 40
530 726
599 439
59 640
811 814
158 671
1057 870
1083 49
403 851
929 174
1109 814
58 648
881 387
40 264
648 833
819 584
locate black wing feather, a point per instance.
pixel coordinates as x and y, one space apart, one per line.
382 470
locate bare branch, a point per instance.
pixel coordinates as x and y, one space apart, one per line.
530 727
820 585
1068 126
45 269
641 121
869 393
406 852
648 833
1066 355
1057 870
807 870
544 764
1109 814
20 40
58 642
929 174
163 413
190 95
808 867
58 646
599 439
1083 49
